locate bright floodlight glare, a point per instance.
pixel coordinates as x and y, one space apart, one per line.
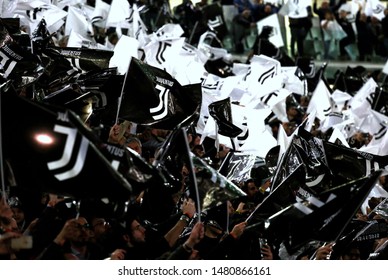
44 139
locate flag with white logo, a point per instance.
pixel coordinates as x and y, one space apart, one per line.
151 96
16 63
215 19
60 155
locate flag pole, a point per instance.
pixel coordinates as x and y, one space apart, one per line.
198 206
121 95
4 195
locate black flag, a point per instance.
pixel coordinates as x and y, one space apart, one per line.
322 217
50 150
152 97
18 64
221 111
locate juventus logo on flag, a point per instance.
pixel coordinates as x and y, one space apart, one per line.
161 49
68 152
267 74
244 135
6 63
213 23
160 111
379 8
32 14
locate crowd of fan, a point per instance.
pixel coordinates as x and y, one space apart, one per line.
361 37
62 229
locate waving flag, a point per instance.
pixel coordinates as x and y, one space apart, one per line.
100 13
320 101
375 8
215 19
79 20
17 64
119 13
263 77
361 103
60 155
221 111
151 96
276 35
295 8
125 49
32 12
323 217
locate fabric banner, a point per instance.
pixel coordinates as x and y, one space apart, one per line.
276 37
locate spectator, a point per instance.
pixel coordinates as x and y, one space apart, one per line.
136 245
72 243
242 24
350 35
299 27
364 36
134 143
328 29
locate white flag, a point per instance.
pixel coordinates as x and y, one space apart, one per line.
276 37
320 101
375 8
385 69
125 49
254 138
78 20
119 14
100 13
362 101
295 8
337 135
340 100
163 54
292 82
263 77
31 13
78 41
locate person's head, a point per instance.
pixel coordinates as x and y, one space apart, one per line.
81 234
363 17
250 188
136 233
5 210
17 210
329 15
325 5
198 150
342 13
246 13
374 20
289 127
351 253
99 226
135 144
267 9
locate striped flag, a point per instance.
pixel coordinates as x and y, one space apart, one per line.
361 103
